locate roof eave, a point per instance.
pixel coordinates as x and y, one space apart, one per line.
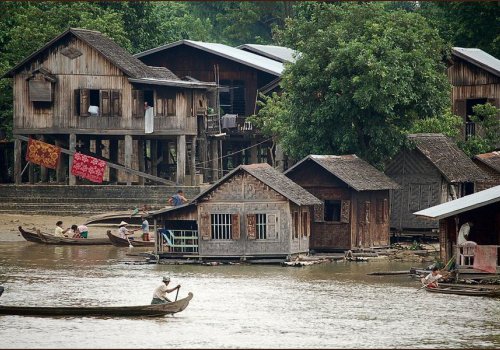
166 82
475 62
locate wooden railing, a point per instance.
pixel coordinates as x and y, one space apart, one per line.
177 241
465 255
470 130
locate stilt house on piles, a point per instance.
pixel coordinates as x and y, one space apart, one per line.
490 165
253 212
84 92
475 79
242 75
430 171
482 249
354 209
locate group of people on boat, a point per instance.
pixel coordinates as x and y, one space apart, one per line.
125 233
75 231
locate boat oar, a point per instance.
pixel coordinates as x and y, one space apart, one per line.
176 294
129 244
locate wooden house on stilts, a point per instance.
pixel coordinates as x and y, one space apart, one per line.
83 92
354 209
253 212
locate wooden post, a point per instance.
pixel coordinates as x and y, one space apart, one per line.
192 161
181 159
31 173
253 152
60 176
214 157
113 157
128 157
17 161
154 157
142 163
43 170
203 146
72 146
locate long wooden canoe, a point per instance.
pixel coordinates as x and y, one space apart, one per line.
121 242
123 311
463 290
37 236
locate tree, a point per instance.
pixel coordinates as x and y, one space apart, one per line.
487 137
363 77
447 124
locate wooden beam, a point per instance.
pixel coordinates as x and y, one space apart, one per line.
181 159
192 161
17 161
140 155
72 146
109 164
43 170
128 157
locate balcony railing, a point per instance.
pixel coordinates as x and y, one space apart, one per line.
177 241
470 130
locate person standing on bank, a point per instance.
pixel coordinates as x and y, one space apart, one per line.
177 199
160 293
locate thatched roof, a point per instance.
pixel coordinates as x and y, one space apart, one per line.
445 155
352 170
491 159
117 55
272 178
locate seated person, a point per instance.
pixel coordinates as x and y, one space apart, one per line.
431 280
59 231
123 232
84 231
74 232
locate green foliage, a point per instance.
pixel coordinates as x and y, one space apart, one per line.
447 124
364 76
487 135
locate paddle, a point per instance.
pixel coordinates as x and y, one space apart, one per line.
176 294
129 244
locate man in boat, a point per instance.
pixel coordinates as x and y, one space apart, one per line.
160 293
177 199
431 280
123 232
145 228
59 231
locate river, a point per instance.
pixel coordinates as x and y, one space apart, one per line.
332 305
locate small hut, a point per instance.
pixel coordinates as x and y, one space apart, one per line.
354 209
482 209
490 165
431 170
252 212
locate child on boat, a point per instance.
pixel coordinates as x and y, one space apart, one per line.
431 280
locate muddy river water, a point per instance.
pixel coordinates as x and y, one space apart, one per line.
234 306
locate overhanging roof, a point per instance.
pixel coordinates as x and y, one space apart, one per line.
460 205
232 53
277 53
177 83
479 58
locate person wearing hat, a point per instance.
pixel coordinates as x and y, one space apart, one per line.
123 232
160 293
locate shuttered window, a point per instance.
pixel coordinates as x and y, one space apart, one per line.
138 103
40 91
305 224
221 225
251 226
296 224
103 103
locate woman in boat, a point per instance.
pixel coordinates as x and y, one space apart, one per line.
160 293
431 280
59 231
123 232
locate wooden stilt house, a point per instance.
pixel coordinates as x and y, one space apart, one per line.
432 170
83 92
253 212
354 209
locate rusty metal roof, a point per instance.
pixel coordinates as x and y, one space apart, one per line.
352 170
491 159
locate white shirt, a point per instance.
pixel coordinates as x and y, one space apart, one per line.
161 292
122 232
145 226
58 232
431 278
463 233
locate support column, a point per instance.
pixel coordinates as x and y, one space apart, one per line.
154 157
43 170
181 159
72 146
60 176
113 157
279 158
98 147
128 157
214 159
253 152
203 145
17 161
142 163
192 161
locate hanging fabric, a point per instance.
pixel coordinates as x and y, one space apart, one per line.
149 120
88 167
43 154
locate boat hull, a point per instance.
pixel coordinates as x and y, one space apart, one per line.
44 238
118 311
121 242
480 292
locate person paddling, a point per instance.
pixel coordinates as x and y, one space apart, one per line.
160 293
431 280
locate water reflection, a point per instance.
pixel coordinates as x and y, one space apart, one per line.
321 306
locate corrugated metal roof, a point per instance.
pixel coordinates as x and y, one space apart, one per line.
479 58
352 170
277 53
460 205
232 53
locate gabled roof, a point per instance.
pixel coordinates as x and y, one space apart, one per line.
491 159
352 170
232 53
117 55
479 58
463 204
445 155
272 178
277 53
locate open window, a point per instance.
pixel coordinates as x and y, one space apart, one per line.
332 210
98 103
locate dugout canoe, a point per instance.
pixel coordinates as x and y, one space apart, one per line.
114 311
36 236
121 242
463 290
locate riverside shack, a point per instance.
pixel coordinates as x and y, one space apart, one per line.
354 209
252 212
483 210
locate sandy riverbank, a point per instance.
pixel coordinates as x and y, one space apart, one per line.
46 223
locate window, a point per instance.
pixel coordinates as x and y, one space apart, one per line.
165 103
221 225
296 224
103 103
305 224
232 96
332 210
261 226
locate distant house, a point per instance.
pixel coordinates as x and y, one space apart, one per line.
490 165
252 212
354 210
475 78
483 210
242 75
433 170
